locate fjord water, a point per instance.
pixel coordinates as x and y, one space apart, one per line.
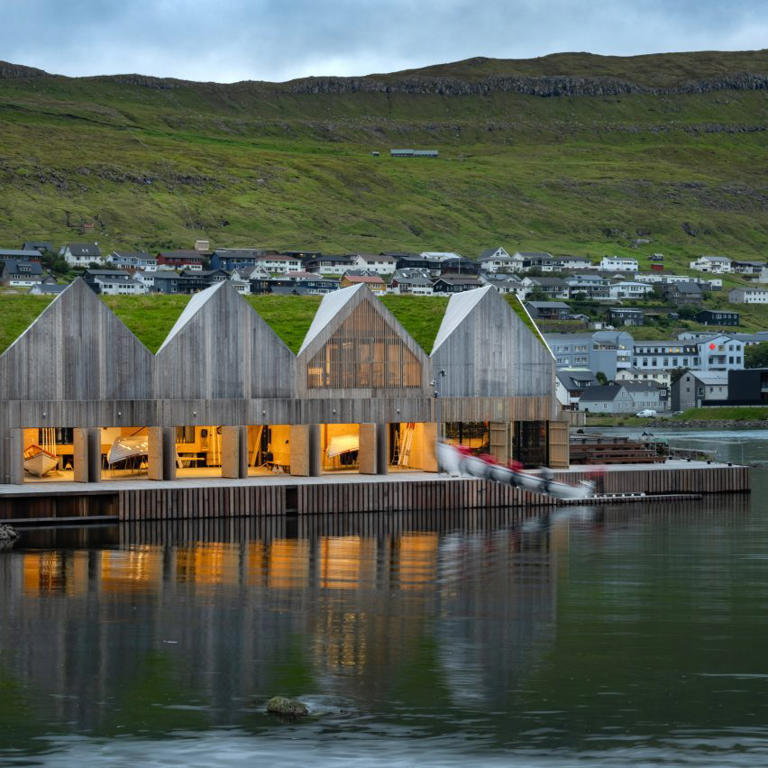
611 636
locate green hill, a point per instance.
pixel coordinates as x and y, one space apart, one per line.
571 153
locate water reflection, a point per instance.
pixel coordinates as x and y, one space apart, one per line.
486 632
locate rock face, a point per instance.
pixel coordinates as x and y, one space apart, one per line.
282 705
7 533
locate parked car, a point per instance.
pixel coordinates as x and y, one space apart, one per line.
646 413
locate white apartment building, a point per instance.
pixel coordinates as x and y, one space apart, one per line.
618 264
280 264
628 289
748 296
381 265
717 265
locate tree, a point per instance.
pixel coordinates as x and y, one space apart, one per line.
756 355
601 378
677 374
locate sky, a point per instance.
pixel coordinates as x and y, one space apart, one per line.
277 40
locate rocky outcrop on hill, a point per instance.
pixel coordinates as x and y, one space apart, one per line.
11 71
527 86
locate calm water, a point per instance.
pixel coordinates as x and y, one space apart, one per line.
632 635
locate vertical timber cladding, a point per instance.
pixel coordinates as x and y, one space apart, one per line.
221 349
490 366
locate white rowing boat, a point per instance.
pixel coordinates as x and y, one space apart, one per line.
458 461
128 447
38 461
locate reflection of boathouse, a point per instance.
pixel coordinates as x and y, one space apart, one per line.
225 397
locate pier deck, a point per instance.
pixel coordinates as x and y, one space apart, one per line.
210 497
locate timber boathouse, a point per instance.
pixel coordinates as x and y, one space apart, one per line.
232 422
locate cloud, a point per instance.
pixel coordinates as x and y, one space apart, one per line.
229 40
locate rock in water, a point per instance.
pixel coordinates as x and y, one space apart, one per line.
7 533
282 705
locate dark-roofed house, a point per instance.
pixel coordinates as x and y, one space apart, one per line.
132 260
607 398
11 253
548 310
571 384
81 254
238 258
498 260
180 260
113 282
681 293
626 316
717 317
448 285
551 287
20 273
167 281
43 246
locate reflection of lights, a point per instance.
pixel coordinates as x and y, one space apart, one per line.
340 562
289 563
208 563
418 559
256 563
55 572
126 570
341 643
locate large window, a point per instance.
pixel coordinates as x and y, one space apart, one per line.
364 352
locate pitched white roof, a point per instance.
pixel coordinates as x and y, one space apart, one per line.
330 306
459 306
194 305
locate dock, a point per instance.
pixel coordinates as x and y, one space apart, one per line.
216 498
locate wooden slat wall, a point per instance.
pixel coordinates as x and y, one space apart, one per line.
225 351
76 350
492 353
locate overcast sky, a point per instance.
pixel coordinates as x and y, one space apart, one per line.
229 40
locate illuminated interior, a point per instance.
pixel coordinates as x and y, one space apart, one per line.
339 447
198 451
124 453
410 448
48 454
269 449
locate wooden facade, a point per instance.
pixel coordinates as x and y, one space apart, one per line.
79 367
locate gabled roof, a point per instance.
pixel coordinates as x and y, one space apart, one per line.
77 349
84 249
459 307
602 392
330 306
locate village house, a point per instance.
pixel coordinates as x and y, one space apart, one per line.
717 317
629 289
381 264
411 281
132 260
498 260
180 260
636 376
551 287
81 254
607 398
548 310
695 389
570 385
748 296
747 267
618 264
716 265
626 316
449 285
329 265
374 282
20 273
113 282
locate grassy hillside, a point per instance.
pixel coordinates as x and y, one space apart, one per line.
678 160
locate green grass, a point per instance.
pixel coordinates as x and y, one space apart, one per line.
150 317
16 314
728 413
419 315
288 316
256 164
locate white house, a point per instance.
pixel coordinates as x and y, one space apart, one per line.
618 264
114 282
276 264
498 260
748 296
381 265
81 254
717 265
629 289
